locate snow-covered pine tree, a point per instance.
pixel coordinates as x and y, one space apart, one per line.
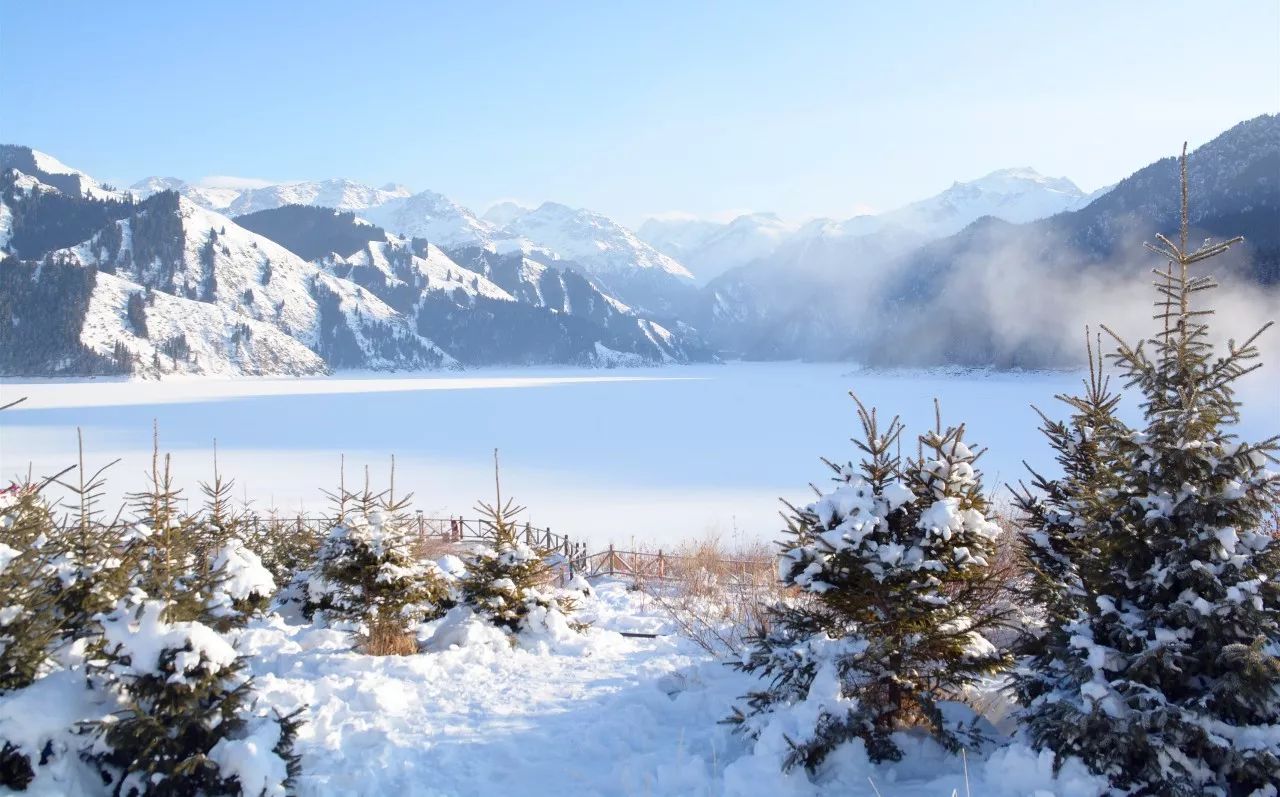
55 576
367 572
30 546
1170 679
239 583
895 595
29 620
90 573
190 724
164 550
508 583
1065 531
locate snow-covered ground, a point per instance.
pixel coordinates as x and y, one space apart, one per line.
599 715
652 454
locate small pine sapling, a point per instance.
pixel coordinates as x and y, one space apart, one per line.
509 583
366 572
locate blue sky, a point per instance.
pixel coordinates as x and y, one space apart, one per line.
633 108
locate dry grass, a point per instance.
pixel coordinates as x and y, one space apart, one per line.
718 594
388 639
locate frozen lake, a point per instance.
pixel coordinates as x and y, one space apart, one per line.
655 455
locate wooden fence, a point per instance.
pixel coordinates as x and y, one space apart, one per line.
568 557
647 566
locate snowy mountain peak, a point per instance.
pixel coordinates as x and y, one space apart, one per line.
155 184
337 193
432 216
591 239
53 172
503 213
1020 180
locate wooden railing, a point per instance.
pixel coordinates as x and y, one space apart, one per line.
568 556
648 566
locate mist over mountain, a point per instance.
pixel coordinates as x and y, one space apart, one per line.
306 277
998 293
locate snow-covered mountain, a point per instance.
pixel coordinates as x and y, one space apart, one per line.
210 197
480 306
744 240
171 245
612 255
678 236
65 319
592 240
709 249
339 194
52 172
887 296
1014 195
503 213
434 217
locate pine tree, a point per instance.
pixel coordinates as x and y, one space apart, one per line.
367 573
91 573
508 582
190 723
28 621
55 577
895 594
30 547
1167 676
190 726
1065 542
240 584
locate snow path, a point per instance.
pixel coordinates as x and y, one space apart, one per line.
601 714
479 720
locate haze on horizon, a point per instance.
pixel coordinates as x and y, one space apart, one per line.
828 109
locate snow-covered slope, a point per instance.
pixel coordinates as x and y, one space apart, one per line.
677 236
709 249
1015 195
186 336
612 255
594 241
506 308
743 240
173 246
53 172
338 194
428 269
211 197
503 213
434 217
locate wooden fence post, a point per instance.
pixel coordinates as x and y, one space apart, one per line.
661 569
610 558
